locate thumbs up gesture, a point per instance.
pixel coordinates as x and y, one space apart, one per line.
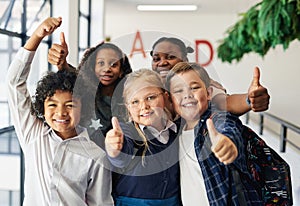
223 148
257 94
114 139
58 53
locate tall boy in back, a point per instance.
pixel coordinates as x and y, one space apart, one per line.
211 143
62 165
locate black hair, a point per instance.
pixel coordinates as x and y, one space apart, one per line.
183 48
47 86
94 87
87 64
65 80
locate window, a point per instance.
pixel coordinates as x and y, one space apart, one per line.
84 26
18 19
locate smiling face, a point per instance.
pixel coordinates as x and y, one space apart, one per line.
108 66
189 96
165 56
62 113
146 106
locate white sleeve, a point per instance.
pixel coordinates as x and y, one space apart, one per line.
100 187
19 98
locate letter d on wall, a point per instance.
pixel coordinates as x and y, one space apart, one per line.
211 52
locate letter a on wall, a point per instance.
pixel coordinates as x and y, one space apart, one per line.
136 49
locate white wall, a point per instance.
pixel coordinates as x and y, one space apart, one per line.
279 69
97 21
10 172
68 10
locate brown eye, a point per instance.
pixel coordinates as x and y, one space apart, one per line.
151 97
177 91
195 88
155 59
114 63
101 63
135 102
170 57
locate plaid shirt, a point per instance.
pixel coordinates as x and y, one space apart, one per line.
219 183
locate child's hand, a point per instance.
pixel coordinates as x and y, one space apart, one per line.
48 27
114 139
257 94
58 53
223 148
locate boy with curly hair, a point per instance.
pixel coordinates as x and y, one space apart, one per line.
63 166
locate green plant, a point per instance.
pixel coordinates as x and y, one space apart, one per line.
263 26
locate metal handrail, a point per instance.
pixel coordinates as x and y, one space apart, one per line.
285 125
283 130
7 129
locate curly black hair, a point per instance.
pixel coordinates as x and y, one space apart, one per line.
87 65
47 86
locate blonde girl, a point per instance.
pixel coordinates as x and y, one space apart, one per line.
144 151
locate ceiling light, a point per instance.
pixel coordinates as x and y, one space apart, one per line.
167 7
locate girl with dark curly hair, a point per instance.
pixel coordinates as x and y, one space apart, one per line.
102 69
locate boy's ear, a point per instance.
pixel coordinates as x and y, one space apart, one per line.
166 96
209 92
121 75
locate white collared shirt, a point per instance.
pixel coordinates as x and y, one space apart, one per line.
57 171
163 135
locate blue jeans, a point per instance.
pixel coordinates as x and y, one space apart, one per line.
130 201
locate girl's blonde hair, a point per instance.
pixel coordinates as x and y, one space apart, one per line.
148 78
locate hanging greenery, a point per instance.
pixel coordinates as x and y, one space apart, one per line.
263 26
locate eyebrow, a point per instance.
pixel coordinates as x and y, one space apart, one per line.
148 94
196 81
168 52
68 101
111 60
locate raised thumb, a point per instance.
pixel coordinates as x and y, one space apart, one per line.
213 133
63 40
256 76
115 123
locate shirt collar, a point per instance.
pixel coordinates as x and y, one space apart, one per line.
203 118
163 135
170 125
82 134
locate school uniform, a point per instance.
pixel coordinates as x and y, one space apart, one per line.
152 179
57 171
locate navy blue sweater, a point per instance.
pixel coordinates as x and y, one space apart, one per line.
156 176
